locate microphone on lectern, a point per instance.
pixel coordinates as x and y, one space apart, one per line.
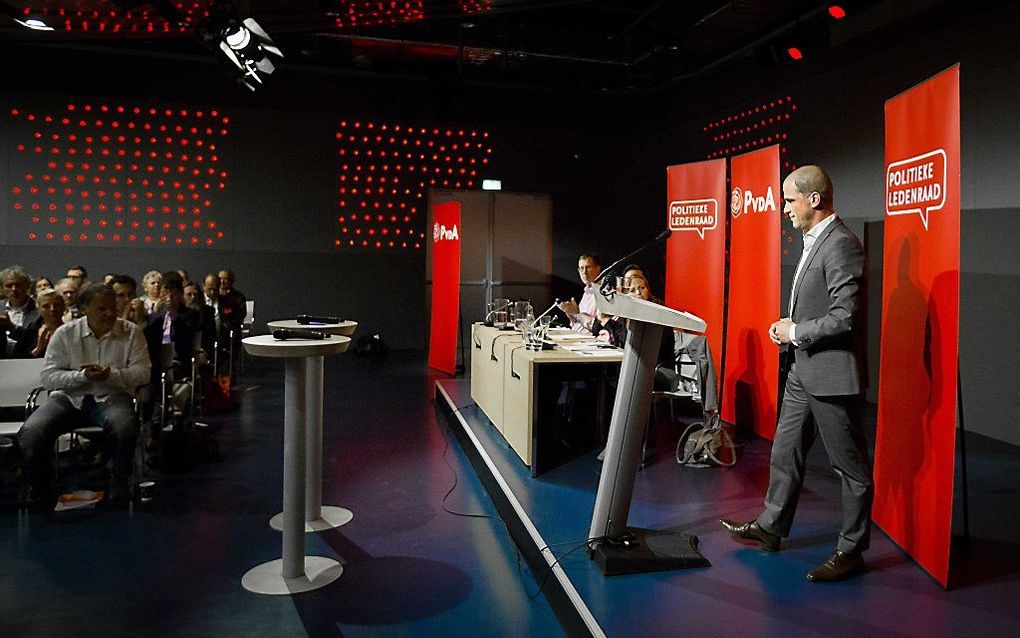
284 333
664 235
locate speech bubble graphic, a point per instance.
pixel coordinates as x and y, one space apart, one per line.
698 215
916 185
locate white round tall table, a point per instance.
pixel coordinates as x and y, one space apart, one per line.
318 517
295 572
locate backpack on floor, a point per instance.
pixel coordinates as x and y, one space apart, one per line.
705 445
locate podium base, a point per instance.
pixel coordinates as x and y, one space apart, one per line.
648 550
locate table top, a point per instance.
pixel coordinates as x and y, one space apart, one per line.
345 328
267 346
595 352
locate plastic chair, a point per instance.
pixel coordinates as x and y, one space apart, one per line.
20 395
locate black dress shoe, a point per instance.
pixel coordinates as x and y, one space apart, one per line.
752 532
840 566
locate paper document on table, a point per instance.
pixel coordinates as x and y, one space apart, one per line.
570 336
592 345
602 352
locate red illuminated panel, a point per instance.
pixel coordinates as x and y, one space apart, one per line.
118 174
753 127
474 6
104 16
385 171
363 13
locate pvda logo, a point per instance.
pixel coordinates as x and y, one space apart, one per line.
440 232
742 201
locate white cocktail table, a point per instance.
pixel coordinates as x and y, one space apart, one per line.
318 517
295 572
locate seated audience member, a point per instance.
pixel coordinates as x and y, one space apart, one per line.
129 306
174 332
582 314
93 367
228 291
195 299
108 278
79 275
69 289
150 284
18 314
50 304
41 284
184 276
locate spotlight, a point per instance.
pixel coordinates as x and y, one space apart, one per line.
794 53
246 46
34 23
837 12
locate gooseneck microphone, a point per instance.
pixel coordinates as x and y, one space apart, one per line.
284 333
664 235
307 320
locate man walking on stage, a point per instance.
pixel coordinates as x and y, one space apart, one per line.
823 385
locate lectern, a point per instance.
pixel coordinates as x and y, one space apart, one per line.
616 548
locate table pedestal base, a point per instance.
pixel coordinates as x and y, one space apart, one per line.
331 518
267 578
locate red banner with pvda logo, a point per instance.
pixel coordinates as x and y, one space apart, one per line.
916 438
445 286
751 369
696 251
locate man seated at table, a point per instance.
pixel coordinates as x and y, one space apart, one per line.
582 314
93 366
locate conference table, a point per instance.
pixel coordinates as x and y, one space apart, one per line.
549 405
295 572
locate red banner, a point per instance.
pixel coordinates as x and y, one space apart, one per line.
696 251
445 286
751 369
916 439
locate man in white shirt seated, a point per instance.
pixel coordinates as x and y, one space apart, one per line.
582 314
93 366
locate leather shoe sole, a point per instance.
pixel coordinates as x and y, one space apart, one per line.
752 532
839 566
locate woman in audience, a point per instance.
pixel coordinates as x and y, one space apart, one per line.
151 283
51 312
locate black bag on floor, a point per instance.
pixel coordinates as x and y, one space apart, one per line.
705 445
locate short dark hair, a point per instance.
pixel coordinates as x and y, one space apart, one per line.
125 280
84 273
92 290
173 280
592 256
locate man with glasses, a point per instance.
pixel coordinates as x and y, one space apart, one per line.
582 314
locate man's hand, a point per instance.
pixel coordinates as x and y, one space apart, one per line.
570 308
95 372
779 332
5 321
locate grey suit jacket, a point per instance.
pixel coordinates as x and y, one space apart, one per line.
827 308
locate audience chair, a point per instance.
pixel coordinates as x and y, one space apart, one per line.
20 395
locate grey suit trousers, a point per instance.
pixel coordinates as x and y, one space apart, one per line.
837 420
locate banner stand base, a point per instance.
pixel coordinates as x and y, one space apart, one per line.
648 550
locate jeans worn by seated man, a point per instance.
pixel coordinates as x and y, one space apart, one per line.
93 366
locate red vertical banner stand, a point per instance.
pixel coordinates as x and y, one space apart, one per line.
696 251
916 439
751 368
445 287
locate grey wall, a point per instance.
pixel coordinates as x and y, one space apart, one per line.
601 158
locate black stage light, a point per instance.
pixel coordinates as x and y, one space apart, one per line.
247 47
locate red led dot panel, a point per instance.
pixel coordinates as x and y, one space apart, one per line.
118 174
474 6
754 127
363 13
385 171
103 16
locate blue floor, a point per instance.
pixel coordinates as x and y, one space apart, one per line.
748 592
174 568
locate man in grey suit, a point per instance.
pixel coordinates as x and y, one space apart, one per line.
823 384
